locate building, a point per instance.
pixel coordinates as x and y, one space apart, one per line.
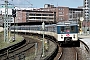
75 13
41 16
20 16
86 13
64 13
35 16
61 12
87 9
48 14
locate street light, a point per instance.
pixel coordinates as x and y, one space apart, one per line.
43 28
81 19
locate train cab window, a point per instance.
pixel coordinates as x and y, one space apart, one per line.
73 30
62 29
67 29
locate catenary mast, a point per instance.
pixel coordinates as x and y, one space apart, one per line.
6 22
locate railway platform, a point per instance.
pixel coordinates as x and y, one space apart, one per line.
85 39
85 49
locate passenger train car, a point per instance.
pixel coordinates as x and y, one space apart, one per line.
67 32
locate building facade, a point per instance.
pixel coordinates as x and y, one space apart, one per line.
75 13
64 13
20 16
49 14
35 16
61 12
41 16
86 10
86 15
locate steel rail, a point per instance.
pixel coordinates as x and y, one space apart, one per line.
68 53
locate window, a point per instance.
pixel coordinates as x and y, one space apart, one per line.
61 9
60 13
62 29
68 29
61 18
72 29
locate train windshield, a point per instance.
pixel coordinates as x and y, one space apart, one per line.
68 29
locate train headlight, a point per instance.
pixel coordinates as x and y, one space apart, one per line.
61 36
73 36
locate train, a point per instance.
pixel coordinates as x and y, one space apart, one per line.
67 32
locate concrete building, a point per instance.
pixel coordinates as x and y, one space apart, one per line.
35 16
41 16
86 9
75 13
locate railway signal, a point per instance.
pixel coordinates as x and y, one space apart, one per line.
14 15
14 12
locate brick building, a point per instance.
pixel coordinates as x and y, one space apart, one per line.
61 12
20 16
64 13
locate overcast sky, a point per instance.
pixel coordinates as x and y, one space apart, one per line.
40 3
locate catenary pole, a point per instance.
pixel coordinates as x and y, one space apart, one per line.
6 22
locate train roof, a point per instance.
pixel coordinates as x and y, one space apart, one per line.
64 23
36 25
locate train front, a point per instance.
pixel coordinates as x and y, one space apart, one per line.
68 34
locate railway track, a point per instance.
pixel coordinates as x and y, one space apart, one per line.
66 53
73 53
69 53
63 53
59 53
83 52
20 52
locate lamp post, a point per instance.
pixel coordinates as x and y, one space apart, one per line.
43 28
81 20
